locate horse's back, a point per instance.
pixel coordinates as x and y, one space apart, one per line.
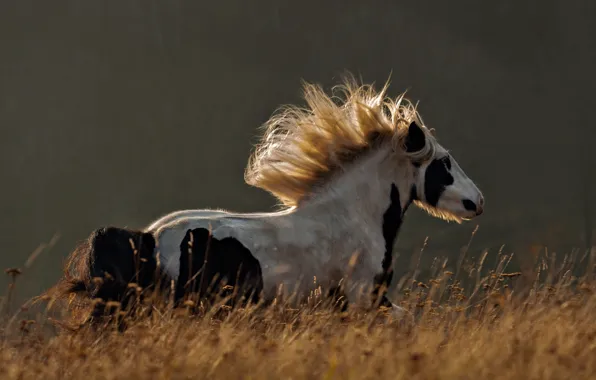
182 214
221 225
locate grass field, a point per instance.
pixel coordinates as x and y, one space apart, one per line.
539 324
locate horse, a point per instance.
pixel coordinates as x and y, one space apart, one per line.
345 169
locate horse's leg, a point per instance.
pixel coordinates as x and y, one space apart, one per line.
381 283
377 298
338 298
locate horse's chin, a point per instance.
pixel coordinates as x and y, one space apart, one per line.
440 212
466 218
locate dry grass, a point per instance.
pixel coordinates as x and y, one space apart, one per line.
535 325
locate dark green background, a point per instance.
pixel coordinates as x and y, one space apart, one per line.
115 112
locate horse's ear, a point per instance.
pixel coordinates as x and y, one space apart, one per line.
415 139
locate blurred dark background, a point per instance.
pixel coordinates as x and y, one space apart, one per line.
115 112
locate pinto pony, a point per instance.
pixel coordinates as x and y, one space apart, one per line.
345 171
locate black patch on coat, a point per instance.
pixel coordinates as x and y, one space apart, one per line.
436 179
106 263
392 220
210 267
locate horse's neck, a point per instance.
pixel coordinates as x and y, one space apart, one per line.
355 200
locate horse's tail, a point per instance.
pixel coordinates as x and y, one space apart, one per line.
102 269
75 285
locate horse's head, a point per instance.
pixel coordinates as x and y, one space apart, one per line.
442 188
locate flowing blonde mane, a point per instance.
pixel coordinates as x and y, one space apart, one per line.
302 147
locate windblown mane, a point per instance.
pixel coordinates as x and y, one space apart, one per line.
302 147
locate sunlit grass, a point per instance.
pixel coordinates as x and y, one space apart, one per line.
469 323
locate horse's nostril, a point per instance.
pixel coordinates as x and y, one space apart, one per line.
469 205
